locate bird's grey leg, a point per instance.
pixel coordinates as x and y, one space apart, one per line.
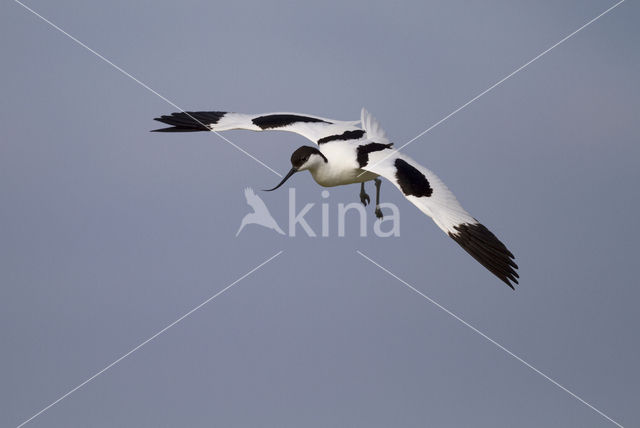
378 210
364 198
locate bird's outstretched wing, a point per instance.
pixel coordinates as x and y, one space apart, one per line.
320 130
372 127
426 191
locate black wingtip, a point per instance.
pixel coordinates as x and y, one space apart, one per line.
487 249
177 129
189 121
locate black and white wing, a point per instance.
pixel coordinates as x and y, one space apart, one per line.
426 191
320 130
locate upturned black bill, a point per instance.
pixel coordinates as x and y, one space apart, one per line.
286 177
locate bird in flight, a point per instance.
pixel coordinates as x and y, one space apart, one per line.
346 153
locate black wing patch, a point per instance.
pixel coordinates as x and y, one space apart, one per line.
190 121
483 246
280 120
364 150
346 135
411 181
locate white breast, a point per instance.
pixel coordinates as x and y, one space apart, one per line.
341 167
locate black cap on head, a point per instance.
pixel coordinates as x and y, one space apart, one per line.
299 158
302 154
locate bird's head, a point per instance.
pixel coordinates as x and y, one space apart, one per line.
303 158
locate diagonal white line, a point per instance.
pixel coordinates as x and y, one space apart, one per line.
499 82
144 85
439 306
149 339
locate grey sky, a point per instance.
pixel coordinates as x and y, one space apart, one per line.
109 232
